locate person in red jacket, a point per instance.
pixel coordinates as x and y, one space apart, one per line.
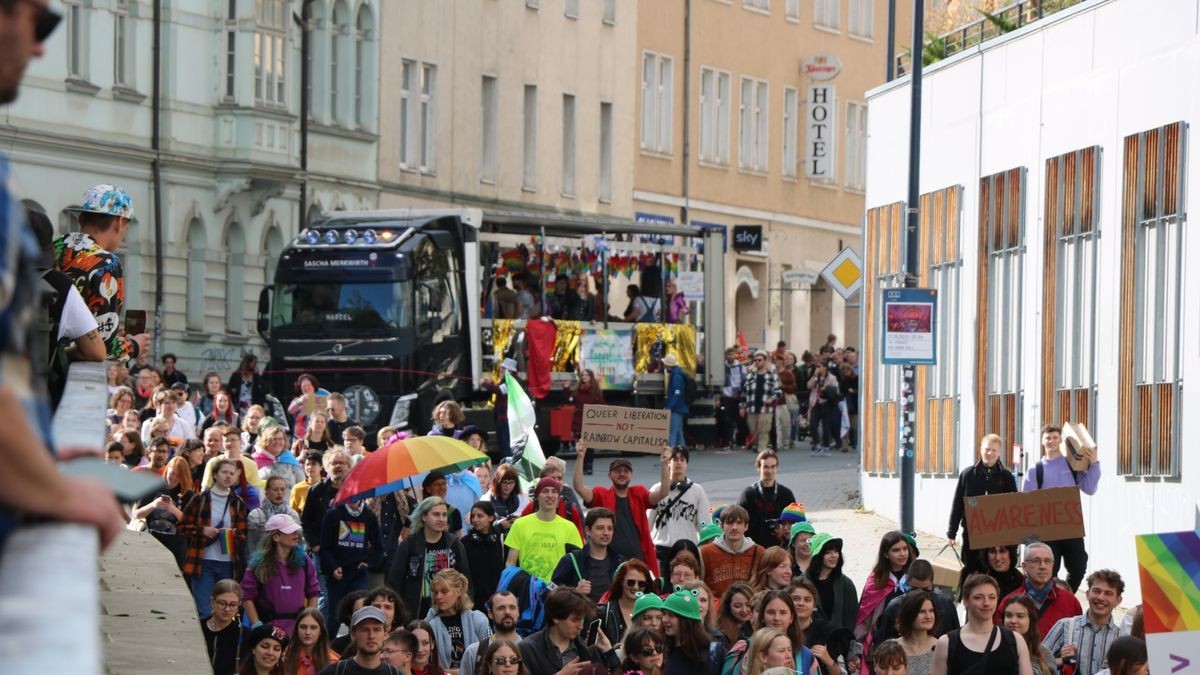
1052 597
631 535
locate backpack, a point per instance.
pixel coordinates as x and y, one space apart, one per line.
691 392
1040 472
531 592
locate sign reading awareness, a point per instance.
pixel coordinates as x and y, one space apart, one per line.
612 427
1045 515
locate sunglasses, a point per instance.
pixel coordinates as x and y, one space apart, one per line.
47 21
507 661
634 583
651 650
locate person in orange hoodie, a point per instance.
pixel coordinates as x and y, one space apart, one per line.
731 556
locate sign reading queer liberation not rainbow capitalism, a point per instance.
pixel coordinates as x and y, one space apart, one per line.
626 429
1169 569
1012 518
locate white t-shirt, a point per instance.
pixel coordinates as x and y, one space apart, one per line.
181 429
77 319
684 519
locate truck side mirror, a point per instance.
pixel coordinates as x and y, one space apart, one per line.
264 310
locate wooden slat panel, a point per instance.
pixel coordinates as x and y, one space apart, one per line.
1051 228
986 187
1171 190
890 434
1015 204
870 357
1125 395
950 435
952 234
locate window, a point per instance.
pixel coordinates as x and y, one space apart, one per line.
792 11
363 67
428 117
235 287
657 91
1151 310
937 399
752 125
880 385
76 40
760 5
196 274
273 248
606 152
856 146
231 51
1068 361
408 103
826 13
862 18
122 76
531 4
571 9
270 52
487 118
714 116
568 145
789 131
1001 313
609 11
337 37
529 144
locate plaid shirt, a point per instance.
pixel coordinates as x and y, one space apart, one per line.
760 392
1091 641
197 515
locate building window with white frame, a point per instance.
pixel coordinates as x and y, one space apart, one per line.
605 178
122 63
408 112
827 14
529 122
428 118
790 112
714 116
757 5
76 39
363 66
272 19
571 9
338 28
658 75
568 145
792 10
862 18
752 124
488 128
609 11
856 146
235 287
231 35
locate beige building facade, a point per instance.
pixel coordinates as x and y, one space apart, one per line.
727 136
508 104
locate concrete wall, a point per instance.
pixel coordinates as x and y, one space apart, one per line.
1088 76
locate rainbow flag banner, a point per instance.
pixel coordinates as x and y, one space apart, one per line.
226 541
1169 570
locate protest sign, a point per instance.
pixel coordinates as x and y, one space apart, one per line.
1169 571
1012 518
608 353
611 427
314 403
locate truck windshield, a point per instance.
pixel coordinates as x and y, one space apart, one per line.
341 309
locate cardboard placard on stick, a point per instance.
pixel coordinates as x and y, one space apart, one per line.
610 427
1045 515
314 403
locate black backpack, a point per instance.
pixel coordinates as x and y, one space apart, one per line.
691 391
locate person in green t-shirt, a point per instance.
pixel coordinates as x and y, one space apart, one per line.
538 541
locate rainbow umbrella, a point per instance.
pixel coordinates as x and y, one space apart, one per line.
392 467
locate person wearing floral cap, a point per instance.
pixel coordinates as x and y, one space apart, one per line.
88 258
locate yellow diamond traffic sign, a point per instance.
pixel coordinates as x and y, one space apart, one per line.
844 273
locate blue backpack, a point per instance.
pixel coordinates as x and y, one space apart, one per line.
530 591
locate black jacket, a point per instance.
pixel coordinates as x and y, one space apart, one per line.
407 573
975 481
885 628
541 656
258 388
764 506
320 496
486 556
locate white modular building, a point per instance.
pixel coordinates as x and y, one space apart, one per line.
1056 171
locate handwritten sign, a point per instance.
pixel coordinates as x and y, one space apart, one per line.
609 353
1045 515
626 429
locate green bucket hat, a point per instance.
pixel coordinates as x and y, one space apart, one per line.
683 603
797 529
644 602
912 541
820 541
709 532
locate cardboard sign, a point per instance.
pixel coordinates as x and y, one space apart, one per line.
1045 515
610 427
314 403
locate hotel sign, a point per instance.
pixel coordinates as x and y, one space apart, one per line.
820 132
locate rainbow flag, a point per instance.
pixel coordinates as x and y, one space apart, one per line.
1169 567
227 541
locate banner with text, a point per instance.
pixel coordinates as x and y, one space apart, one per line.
1044 515
609 353
820 134
609 427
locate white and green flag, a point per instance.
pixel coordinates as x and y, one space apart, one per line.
527 454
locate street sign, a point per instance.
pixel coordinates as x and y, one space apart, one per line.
800 277
844 273
909 326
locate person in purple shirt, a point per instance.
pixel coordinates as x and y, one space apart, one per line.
1053 471
280 579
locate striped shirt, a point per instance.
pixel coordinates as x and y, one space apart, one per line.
1091 641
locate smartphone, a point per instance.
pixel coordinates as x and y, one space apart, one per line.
135 321
592 633
129 486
